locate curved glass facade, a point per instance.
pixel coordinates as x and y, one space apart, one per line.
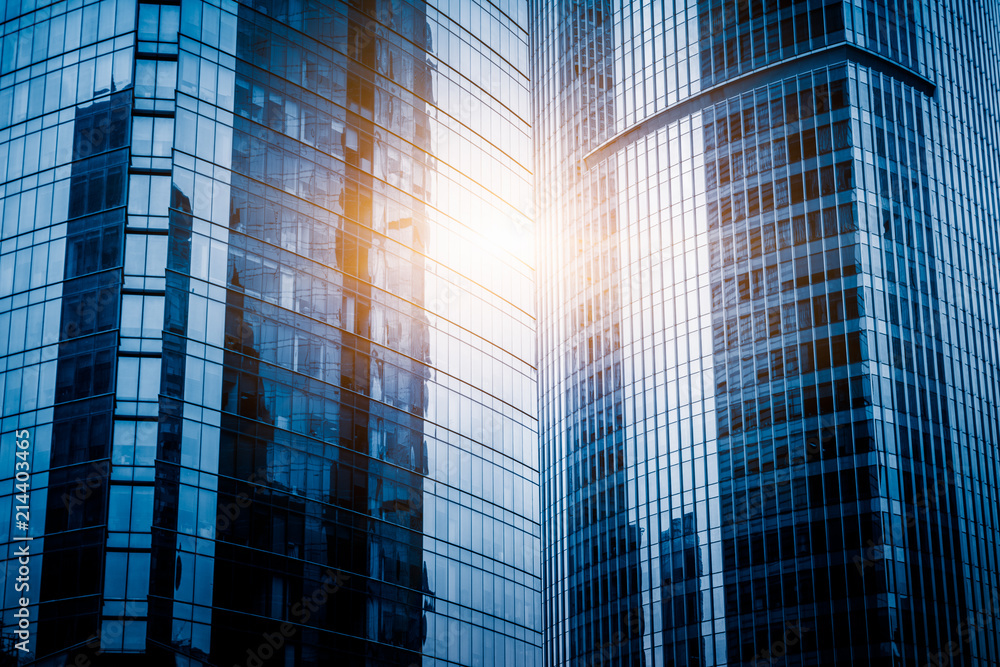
765 364
592 560
267 309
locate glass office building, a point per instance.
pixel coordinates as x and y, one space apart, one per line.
267 313
767 323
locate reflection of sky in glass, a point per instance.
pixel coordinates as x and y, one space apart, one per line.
193 599
667 302
479 299
659 63
360 234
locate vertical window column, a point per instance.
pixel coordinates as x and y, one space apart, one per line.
130 513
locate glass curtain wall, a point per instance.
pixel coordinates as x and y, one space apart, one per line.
802 286
267 306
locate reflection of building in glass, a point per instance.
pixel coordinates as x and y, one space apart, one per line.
83 409
267 305
799 199
683 608
592 576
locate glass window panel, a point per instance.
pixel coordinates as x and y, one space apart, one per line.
124 443
163 134
142 509
149 379
102 74
122 69
145 439
138 195
156 254
142 135
145 78
119 508
170 18
159 195
149 19
132 326
166 79
138 570
115 573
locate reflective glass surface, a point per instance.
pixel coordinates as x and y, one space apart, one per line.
267 305
66 79
763 343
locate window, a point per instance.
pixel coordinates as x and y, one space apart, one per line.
159 22
145 315
138 378
152 136
155 78
149 195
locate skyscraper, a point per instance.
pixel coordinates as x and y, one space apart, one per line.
266 311
767 331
